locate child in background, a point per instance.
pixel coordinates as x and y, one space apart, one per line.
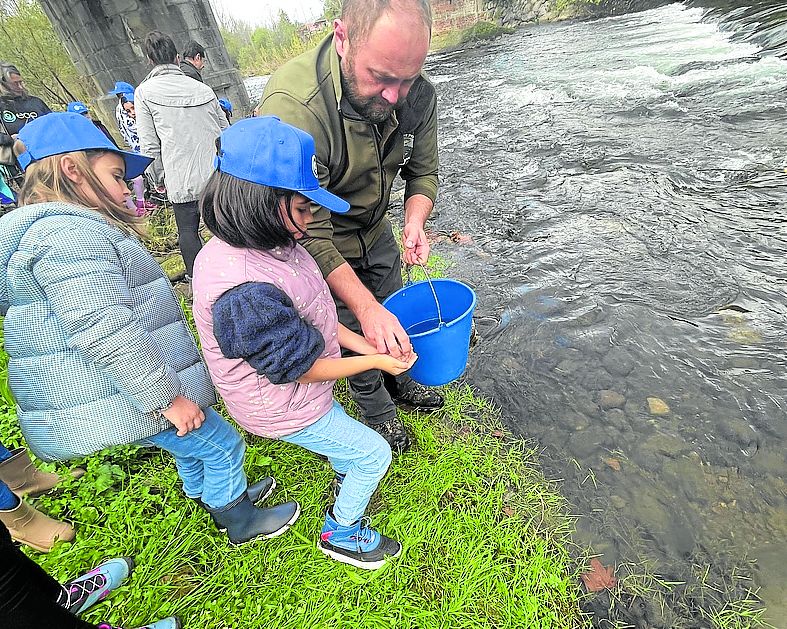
78 107
127 125
100 353
268 324
226 107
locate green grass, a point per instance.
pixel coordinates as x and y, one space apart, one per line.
485 536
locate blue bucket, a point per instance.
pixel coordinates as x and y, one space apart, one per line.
439 330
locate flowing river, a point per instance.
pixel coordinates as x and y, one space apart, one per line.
616 193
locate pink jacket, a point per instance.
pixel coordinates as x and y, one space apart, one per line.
258 405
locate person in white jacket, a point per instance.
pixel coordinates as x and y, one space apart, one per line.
178 121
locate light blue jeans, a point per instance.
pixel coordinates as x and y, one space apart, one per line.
209 459
355 451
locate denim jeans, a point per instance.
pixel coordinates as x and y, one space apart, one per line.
354 450
209 459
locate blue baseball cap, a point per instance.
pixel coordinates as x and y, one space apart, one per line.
129 96
226 104
270 152
61 132
77 107
121 87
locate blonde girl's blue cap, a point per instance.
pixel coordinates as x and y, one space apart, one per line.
77 107
272 153
62 132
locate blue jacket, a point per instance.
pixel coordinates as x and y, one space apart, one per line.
96 338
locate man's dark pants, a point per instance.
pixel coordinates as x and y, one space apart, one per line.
380 271
189 240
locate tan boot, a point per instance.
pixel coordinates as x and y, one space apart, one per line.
31 527
25 479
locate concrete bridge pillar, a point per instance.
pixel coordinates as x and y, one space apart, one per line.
104 39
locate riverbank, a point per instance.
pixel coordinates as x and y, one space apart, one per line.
486 537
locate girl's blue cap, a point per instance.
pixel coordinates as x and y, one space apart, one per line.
60 132
272 153
225 104
121 87
77 107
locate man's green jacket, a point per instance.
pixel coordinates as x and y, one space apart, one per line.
357 160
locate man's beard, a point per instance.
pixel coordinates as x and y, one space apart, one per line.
375 109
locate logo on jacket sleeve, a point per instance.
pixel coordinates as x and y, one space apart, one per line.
408 141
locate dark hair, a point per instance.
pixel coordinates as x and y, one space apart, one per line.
245 214
160 48
193 49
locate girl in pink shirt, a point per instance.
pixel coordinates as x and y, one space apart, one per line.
268 325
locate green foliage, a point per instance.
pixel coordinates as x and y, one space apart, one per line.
28 40
261 50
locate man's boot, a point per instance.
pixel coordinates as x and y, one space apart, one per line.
31 527
245 522
25 479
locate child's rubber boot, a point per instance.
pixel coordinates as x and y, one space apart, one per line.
165 623
245 522
358 545
83 592
31 527
257 492
25 479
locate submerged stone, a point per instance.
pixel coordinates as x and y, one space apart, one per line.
608 399
657 406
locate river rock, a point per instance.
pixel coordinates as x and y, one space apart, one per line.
617 501
608 399
657 406
618 362
617 418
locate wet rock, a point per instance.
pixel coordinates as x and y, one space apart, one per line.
617 418
617 502
657 406
582 445
595 379
608 399
666 445
618 362
573 421
737 431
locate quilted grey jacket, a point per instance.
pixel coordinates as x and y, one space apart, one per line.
96 338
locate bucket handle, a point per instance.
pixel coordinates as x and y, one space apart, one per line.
440 322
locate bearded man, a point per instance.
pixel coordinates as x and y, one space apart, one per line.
373 114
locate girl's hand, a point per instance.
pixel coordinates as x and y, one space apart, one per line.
394 366
184 415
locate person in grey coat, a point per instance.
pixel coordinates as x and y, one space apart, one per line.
178 121
100 353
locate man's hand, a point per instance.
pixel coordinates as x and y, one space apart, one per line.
394 366
383 330
415 243
184 415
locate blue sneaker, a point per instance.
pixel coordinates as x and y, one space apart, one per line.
85 591
358 545
165 623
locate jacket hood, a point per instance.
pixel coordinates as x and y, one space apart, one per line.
166 85
15 224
